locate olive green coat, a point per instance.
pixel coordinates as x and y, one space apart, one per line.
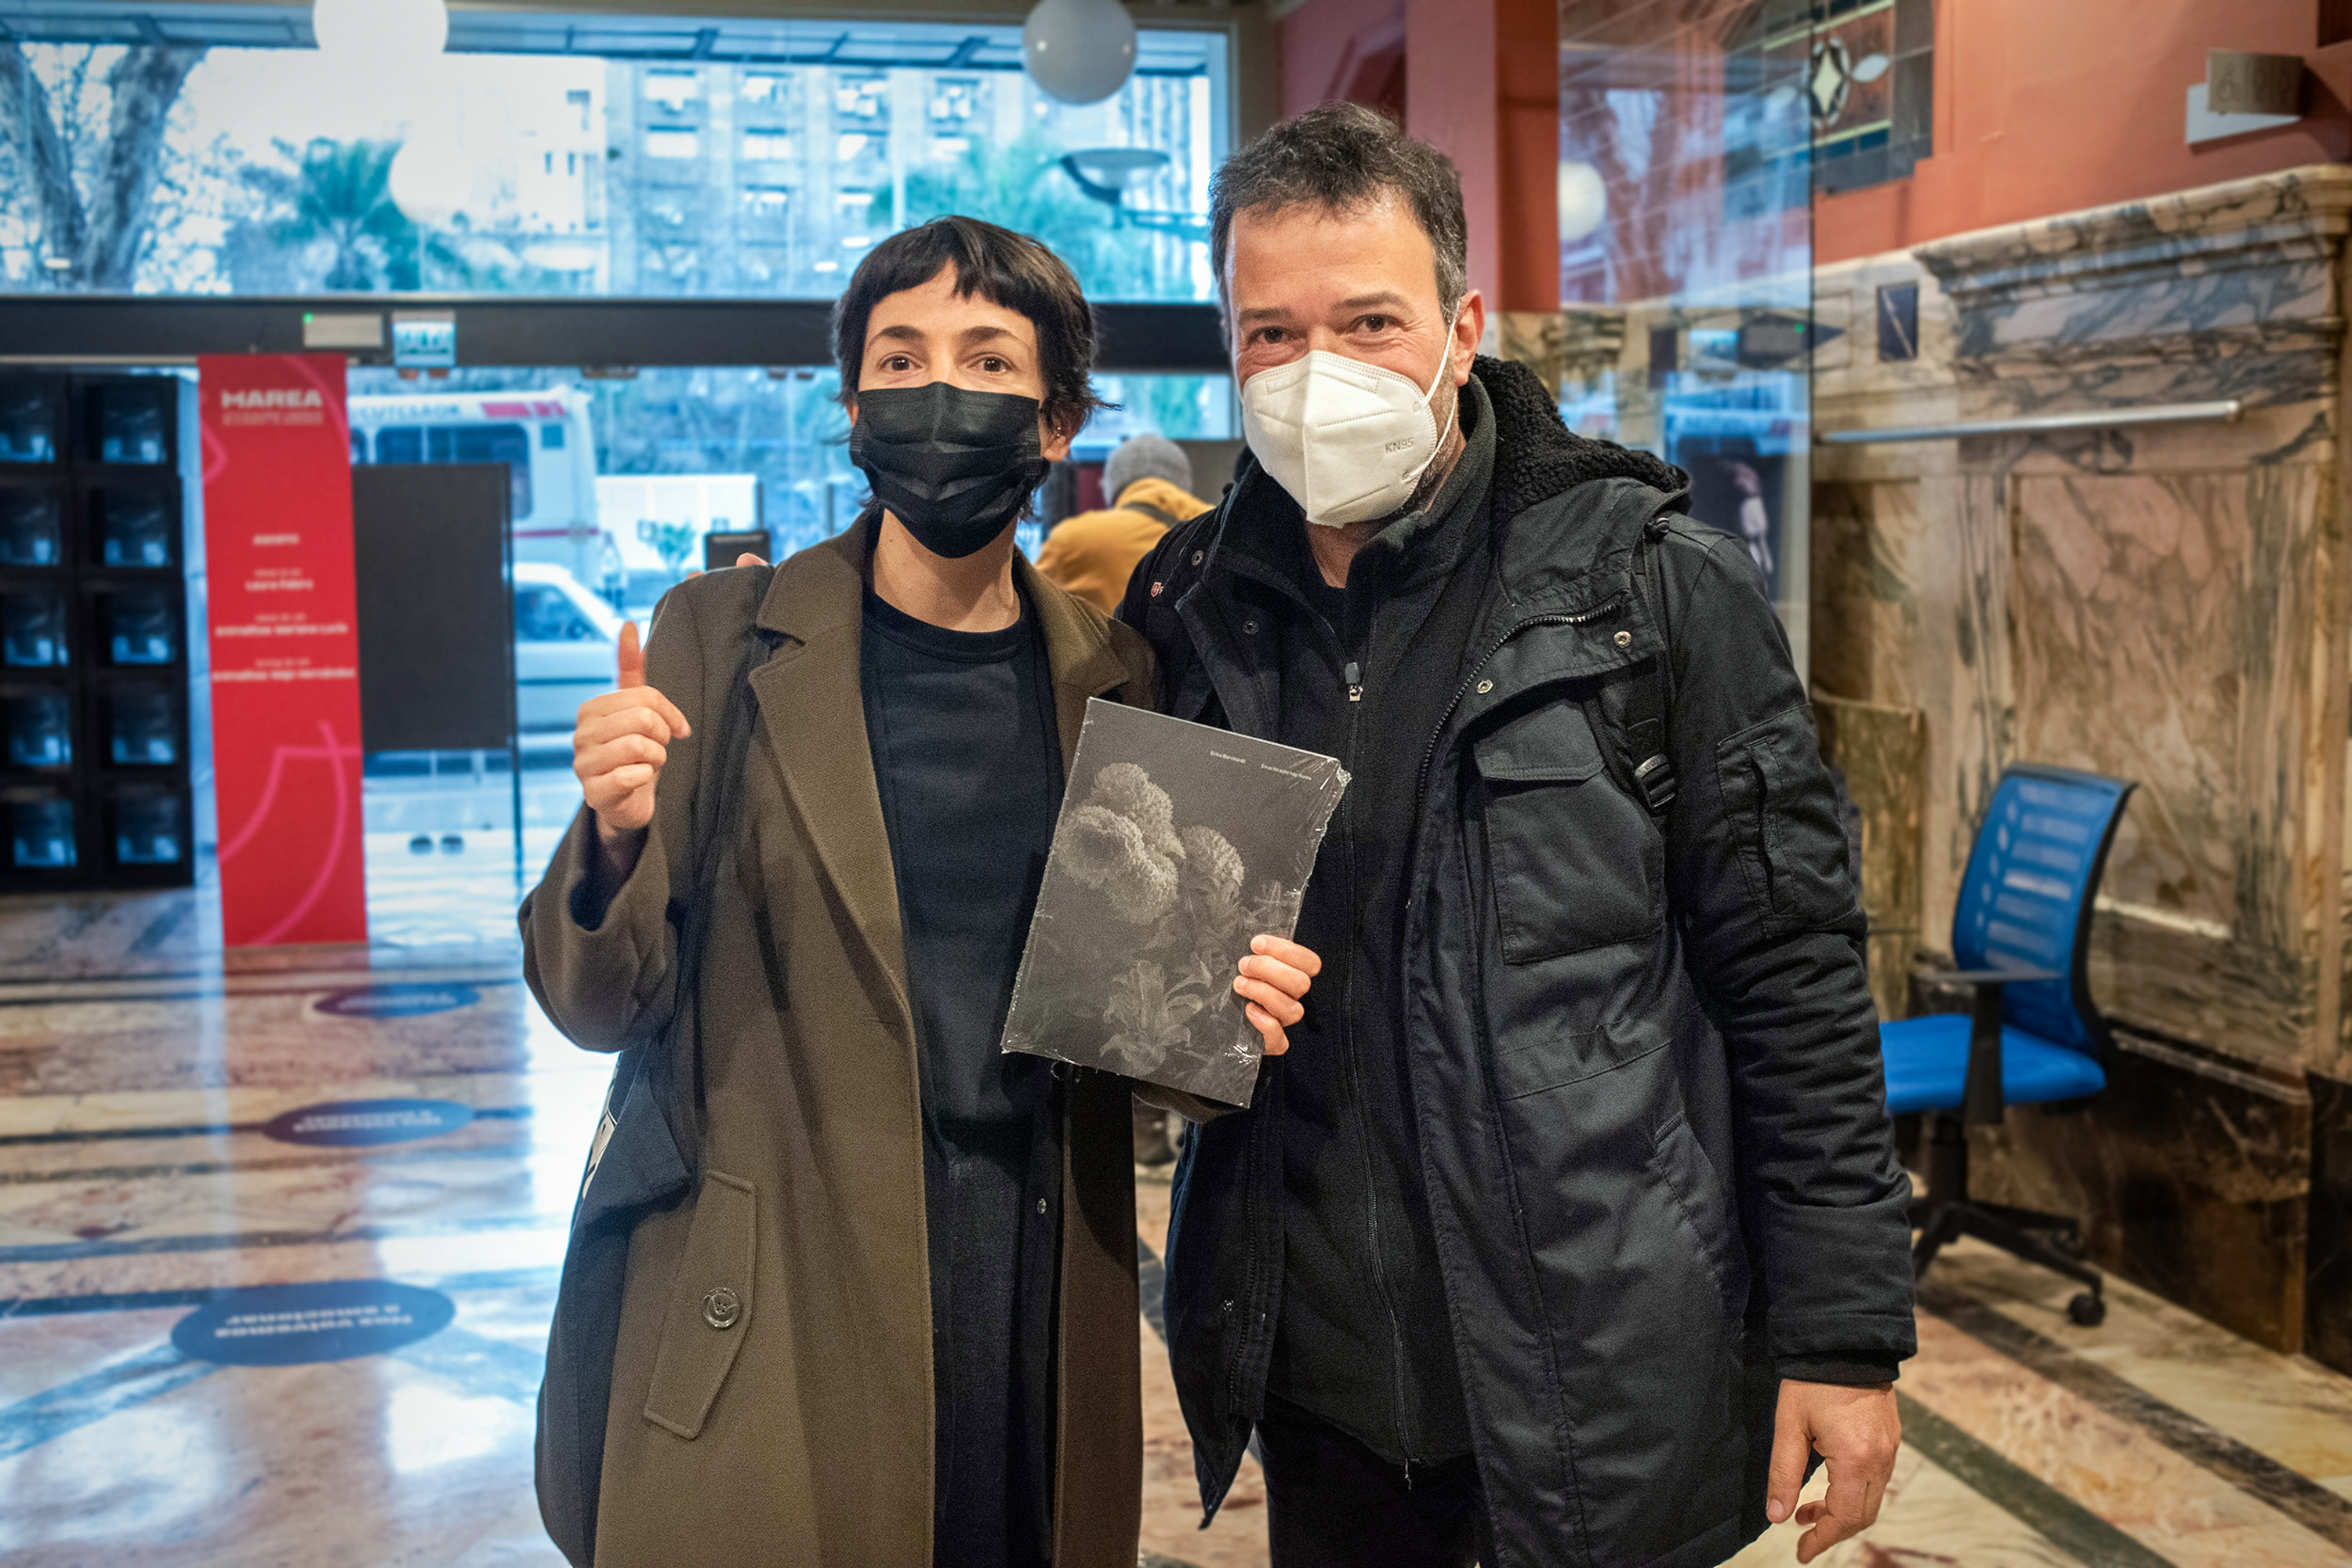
801 1433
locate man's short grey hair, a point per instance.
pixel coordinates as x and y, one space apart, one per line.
1145 457
1342 157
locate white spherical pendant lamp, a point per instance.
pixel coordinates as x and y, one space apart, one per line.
1079 51
381 33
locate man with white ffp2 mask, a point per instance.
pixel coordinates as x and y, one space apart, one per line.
1579 1230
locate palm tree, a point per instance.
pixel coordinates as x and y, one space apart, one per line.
339 193
1023 188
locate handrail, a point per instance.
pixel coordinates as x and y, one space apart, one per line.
2226 410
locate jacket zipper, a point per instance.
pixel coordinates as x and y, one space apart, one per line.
1353 676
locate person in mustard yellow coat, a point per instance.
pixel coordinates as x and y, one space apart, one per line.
1092 555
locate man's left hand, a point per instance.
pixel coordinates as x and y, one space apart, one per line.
1856 1431
1273 978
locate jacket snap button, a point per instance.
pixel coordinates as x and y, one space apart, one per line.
1624 639
1198 556
1250 627
722 1308
1485 687
1041 1205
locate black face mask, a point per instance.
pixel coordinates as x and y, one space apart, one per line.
954 465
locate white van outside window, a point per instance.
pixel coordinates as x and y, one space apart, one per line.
546 439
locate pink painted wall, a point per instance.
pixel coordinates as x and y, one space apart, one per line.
1326 44
2045 107
1479 80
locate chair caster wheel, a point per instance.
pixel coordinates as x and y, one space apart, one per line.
2086 1310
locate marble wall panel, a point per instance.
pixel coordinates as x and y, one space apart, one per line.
1865 598
1534 339
2130 609
2327 1282
1883 752
2191 1174
2204 293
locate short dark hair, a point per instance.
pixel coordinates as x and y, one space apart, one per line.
1342 156
1003 269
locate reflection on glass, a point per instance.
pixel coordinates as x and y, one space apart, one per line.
29 412
632 175
1686 235
135 527
130 421
143 728
41 730
31 522
32 630
41 833
140 627
147 830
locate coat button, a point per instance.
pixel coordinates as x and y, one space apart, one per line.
1624 639
722 1308
1198 556
1250 627
1041 1205
1485 687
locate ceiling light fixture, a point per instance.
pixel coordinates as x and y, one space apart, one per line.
380 34
1079 51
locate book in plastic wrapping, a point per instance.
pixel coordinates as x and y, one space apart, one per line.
1177 844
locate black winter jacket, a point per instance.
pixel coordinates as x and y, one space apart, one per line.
1643 1057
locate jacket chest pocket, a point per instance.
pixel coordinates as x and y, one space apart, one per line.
1574 864
709 1306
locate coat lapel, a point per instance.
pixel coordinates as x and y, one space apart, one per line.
813 714
1078 652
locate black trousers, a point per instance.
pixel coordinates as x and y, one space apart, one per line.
1331 1502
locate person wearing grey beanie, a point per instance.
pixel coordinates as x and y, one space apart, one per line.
1148 483
1145 457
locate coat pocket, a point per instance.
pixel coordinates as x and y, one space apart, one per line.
1781 812
1574 862
709 1306
1706 1213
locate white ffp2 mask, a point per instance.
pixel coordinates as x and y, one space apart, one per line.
1347 440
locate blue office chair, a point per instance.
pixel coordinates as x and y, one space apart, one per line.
2021 938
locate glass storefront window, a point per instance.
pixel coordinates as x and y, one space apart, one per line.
282 171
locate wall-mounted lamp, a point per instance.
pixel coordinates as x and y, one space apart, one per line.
2243 92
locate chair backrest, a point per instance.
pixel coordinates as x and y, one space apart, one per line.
2026 902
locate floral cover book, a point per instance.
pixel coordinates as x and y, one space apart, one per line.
1177 844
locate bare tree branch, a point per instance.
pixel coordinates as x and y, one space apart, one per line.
144 84
28 123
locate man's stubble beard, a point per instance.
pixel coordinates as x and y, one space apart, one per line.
1450 446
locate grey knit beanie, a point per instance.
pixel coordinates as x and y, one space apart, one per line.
1145 457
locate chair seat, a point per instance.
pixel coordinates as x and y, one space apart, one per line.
1928 1066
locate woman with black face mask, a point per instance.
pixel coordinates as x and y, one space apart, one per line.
847 1286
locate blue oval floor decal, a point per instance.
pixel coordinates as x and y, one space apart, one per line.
330 1319
403 1000
356 1123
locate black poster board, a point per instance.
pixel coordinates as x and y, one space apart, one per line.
430 547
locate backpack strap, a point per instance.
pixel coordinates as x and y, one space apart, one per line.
1158 514
671 1064
1650 697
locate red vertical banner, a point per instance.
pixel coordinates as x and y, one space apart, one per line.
285 647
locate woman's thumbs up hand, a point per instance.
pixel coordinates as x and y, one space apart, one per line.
620 742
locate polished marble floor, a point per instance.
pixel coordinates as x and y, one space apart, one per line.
145 1083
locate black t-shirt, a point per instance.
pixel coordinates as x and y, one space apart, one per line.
968 759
